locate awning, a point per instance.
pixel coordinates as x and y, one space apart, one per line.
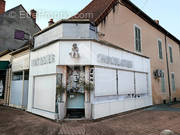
4 65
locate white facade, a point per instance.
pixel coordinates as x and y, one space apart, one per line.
19 81
122 80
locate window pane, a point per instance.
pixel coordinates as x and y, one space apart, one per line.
138 39
160 49
173 82
17 76
170 53
163 87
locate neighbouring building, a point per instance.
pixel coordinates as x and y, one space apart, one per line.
72 74
125 25
18 95
16 27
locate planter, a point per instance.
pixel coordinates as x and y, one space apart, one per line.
61 110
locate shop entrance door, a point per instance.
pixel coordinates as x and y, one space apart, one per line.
75 92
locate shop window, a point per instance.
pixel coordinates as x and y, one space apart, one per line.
160 49
138 46
163 86
17 76
173 82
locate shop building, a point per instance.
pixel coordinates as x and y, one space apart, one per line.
73 74
125 25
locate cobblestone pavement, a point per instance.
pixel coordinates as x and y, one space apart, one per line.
142 122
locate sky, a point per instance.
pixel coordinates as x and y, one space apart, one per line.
166 11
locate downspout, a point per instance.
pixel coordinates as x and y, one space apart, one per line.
167 62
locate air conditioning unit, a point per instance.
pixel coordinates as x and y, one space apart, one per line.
158 73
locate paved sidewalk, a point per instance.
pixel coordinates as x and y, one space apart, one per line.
149 121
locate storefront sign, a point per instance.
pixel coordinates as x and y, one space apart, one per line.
48 59
101 58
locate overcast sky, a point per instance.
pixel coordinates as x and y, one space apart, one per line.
167 11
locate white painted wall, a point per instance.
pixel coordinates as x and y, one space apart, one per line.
20 63
66 31
48 36
89 50
42 70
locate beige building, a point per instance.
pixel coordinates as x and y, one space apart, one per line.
125 25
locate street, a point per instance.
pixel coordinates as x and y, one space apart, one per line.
150 121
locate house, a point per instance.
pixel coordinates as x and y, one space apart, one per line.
125 25
73 74
16 28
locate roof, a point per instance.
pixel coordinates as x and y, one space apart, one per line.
5 52
24 47
25 11
97 10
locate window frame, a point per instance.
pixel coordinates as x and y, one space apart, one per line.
136 26
159 48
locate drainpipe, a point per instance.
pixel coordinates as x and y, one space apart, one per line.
167 62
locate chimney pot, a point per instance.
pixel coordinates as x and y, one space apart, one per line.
156 21
33 14
2 6
51 22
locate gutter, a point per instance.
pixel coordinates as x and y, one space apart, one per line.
167 62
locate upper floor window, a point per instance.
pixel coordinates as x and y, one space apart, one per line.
138 39
170 54
160 49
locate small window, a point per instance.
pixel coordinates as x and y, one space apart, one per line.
138 39
160 49
173 82
170 54
163 86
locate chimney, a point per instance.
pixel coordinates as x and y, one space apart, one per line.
51 22
33 14
156 21
2 6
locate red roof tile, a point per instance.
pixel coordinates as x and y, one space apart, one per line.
96 10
